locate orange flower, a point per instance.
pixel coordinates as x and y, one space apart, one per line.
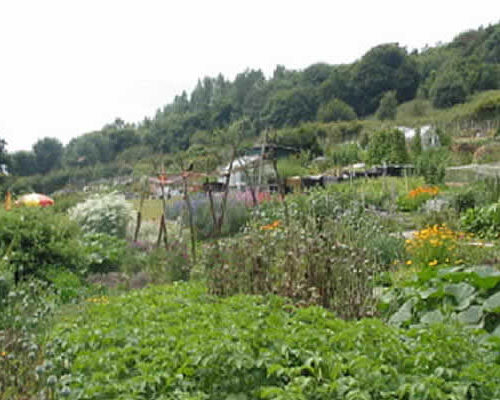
271 226
430 190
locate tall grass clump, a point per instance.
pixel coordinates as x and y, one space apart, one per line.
313 251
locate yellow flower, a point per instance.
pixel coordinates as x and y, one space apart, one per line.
409 262
3 354
432 263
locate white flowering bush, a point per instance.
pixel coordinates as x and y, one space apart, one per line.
109 213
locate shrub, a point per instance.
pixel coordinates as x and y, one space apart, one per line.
168 265
345 154
488 108
63 202
484 221
104 252
67 285
431 164
33 240
387 146
388 106
336 110
291 166
109 213
463 200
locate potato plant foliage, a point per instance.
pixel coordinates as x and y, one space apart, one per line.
178 342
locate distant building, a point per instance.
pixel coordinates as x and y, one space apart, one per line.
251 167
272 151
3 170
427 133
255 166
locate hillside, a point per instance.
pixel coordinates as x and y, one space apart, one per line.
446 83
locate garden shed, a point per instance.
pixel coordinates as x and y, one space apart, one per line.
427 133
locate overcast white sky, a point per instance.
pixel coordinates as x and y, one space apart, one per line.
69 67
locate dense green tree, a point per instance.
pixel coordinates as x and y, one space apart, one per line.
489 77
88 149
448 89
492 46
336 110
338 85
181 103
171 132
289 107
290 99
122 139
48 153
222 113
388 106
384 68
316 74
242 85
23 163
3 151
202 95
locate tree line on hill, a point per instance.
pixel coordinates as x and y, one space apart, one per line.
384 77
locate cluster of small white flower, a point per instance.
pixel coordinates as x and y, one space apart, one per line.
110 213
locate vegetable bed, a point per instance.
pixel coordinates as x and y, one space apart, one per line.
177 342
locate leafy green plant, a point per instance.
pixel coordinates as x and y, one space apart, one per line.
463 200
387 146
64 201
104 252
178 342
484 221
468 295
311 249
291 166
431 165
67 285
167 265
415 198
33 240
345 154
